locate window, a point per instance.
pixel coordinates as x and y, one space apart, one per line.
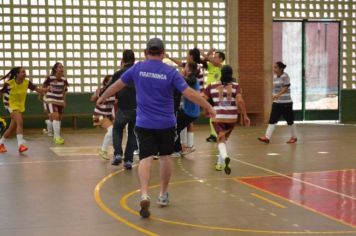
96 33
338 10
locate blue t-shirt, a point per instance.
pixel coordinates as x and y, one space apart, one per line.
155 82
191 109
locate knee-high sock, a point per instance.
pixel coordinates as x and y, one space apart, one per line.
270 130
56 128
293 130
49 126
222 150
183 136
107 139
190 141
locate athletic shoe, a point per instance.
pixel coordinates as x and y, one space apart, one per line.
22 148
58 140
227 168
136 152
145 205
50 134
176 154
188 150
211 139
263 139
128 165
2 148
117 160
104 155
292 140
163 200
155 157
44 131
219 167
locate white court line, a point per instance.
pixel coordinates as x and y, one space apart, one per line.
43 162
292 178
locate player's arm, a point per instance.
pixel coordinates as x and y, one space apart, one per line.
241 103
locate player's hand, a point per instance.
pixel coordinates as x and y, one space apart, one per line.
211 112
100 101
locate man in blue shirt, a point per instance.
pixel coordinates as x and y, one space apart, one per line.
155 122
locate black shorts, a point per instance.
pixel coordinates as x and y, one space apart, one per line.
282 109
155 141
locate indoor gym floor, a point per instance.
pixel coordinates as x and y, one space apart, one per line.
307 188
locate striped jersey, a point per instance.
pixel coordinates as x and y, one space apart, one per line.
224 101
105 109
14 94
58 89
278 84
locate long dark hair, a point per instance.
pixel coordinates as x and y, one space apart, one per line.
226 74
12 73
54 68
195 53
106 80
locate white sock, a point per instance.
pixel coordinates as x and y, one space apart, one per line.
20 139
221 160
270 130
49 126
183 136
107 139
222 150
190 140
293 131
56 128
2 140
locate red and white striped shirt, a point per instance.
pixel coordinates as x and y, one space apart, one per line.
224 101
58 89
106 108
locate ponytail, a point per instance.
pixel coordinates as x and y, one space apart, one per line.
12 73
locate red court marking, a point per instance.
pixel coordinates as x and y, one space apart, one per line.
341 206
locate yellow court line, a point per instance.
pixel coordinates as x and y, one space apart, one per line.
268 200
298 204
110 212
123 203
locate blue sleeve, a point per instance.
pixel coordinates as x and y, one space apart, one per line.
127 77
179 82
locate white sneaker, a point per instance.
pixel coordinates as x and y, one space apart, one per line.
176 154
136 152
163 200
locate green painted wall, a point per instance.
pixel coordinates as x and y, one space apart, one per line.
348 106
78 111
